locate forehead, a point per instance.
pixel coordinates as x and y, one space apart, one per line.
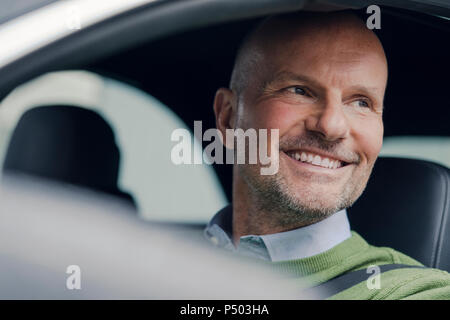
335 60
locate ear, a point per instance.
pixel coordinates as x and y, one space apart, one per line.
224 110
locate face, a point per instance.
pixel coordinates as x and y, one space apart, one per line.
326 98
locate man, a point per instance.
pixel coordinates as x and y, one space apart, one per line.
320 79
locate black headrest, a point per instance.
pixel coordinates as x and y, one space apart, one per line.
68 144
406 206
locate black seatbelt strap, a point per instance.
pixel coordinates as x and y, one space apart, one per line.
348 280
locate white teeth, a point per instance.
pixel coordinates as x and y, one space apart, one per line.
303 157
315 160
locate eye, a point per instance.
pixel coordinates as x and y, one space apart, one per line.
298 90
361 103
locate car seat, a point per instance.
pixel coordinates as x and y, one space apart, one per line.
406 206
67 144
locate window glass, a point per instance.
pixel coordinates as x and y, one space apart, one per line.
431 148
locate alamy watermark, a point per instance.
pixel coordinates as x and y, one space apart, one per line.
374 281
73 281
73 18
374 20
237 141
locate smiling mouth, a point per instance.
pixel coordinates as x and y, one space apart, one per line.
316 160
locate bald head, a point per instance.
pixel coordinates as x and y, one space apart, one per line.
337 35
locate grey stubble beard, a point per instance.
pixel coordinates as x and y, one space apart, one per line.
273 196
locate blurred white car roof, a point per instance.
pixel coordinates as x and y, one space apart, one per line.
35 29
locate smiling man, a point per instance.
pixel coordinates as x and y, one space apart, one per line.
320 79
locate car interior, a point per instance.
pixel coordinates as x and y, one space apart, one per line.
407 199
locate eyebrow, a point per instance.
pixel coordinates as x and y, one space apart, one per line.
288 75
370 91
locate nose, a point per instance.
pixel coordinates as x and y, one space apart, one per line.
329 120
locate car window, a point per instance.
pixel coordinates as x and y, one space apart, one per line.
142 126
431 148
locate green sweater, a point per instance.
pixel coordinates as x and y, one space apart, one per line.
354 254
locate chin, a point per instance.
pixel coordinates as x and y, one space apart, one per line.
319 199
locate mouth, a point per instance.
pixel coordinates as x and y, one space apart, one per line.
316 160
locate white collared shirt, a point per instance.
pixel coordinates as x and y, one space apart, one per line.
290 245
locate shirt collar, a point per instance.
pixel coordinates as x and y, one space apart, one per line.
290 245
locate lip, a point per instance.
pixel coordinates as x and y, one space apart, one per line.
315 168
321 153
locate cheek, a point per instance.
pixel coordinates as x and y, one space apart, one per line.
269 115
369 138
